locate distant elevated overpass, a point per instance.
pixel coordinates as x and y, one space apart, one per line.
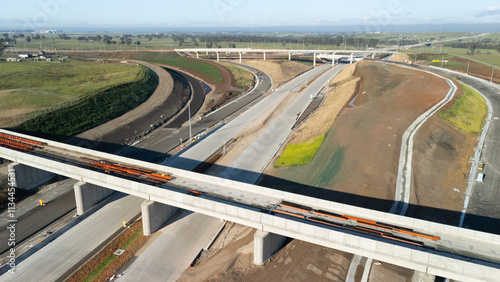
457 253
288 52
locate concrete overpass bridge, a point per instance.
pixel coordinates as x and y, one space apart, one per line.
457 253
290 53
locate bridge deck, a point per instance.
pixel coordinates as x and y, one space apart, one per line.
458 253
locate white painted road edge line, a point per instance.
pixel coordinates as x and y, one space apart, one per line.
403 185
480 145
477 157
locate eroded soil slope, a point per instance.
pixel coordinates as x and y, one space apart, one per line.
359 159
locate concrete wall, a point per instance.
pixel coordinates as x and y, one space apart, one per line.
154 215
87 195
29 177
265 244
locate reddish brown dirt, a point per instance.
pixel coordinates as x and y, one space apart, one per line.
360 155
441 166
296 260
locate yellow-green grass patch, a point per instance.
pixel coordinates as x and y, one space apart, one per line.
299 154
468 113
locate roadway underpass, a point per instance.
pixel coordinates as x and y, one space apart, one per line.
251 205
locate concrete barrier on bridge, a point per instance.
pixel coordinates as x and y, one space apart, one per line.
28 178
154 215
87 195
265 245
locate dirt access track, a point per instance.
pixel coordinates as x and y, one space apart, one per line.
358 161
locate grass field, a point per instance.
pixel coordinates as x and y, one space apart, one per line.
244 79
93 109
468 113
487 56
30 87
299 154
167 58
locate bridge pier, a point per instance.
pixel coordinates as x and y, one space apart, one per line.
27 177
240 57
87 195
314 64
218 57
264 56
265 244
154 215
373 56
352 58
333 59
197 55
290 56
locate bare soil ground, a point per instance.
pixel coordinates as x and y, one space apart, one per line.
383 272
441 167
344 87
401 57
279 70
360 155
296 260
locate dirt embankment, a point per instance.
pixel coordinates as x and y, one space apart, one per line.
279 70
401 57
296 260
441 166
344 86
358 161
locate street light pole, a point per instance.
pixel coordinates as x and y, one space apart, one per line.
189 113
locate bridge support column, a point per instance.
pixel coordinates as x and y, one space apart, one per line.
27 177
217 56
240 57
314 64
373 56
154 215
265 244
197 55
289 56
87 195
352 57
333 59
264 56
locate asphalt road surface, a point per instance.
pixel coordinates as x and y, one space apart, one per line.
116 211
250 164
204 149
56 260
40 218
166 139
483 212
180 242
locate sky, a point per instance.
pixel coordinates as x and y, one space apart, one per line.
374 15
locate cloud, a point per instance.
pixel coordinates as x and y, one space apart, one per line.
491 11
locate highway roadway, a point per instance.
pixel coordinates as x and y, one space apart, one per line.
250 164
58 259
191 158
156 262
165 139
483 211
78 248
